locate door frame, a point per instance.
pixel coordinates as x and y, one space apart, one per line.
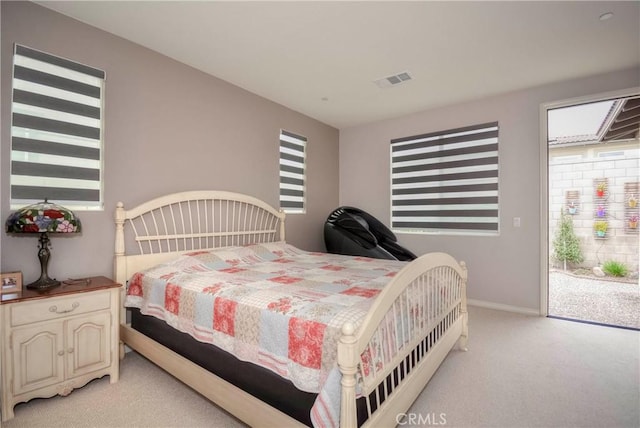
544 180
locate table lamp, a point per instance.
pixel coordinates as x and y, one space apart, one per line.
43 218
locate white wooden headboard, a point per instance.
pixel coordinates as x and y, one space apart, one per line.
165 227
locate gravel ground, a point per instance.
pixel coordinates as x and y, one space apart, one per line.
594 299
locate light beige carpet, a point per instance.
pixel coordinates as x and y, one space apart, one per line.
520 371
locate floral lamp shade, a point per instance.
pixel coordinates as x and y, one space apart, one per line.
43 218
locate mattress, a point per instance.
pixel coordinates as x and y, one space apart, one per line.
269 305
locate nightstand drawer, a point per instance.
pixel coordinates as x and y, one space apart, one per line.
58 307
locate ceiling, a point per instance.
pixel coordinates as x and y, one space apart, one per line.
322 58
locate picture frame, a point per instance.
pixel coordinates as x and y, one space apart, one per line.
10 282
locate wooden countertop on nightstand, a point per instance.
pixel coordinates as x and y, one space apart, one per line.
68 286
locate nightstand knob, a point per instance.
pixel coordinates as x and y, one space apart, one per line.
70 350
61 353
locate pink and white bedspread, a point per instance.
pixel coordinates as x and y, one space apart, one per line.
271 304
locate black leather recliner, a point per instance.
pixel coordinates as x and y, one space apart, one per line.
354 232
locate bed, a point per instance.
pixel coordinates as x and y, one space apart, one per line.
353 342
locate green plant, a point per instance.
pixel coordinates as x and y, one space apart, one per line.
601 186
614 268
601 226
566 245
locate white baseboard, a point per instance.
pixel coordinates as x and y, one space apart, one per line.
502 307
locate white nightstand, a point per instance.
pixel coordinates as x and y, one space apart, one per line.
56 340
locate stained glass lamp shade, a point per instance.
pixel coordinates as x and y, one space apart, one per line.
43 218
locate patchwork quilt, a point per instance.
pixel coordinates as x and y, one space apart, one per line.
271 304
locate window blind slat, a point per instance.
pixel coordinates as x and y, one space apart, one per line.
52 103
55 193
447 213
447 201
52 148
446 153
445 165
57 126
445 189
46 79
60 171
446 177
297 147
446 226
291 180
291 204
292 169
450 143
444 134
292 158
61 62
446 181
291 192
292 135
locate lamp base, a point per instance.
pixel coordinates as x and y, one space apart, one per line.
43 284
44 281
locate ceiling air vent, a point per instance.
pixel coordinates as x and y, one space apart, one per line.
394 80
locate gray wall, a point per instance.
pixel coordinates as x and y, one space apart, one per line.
504 269
168 128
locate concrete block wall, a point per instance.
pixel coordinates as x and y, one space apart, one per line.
568 173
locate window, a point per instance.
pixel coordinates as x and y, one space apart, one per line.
292 174
446 181
56 133
616 154
567 158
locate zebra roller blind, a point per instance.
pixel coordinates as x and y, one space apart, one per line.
56 133
446 181
292 172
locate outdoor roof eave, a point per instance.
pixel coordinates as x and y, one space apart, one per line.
625 123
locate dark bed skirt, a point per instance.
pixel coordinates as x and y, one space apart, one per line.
257 381
267 386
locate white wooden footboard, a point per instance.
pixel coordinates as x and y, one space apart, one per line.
412 326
